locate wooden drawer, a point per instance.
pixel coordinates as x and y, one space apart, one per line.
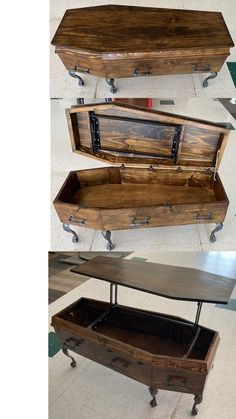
166 215
161 66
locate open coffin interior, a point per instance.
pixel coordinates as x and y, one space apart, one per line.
114 187
154 333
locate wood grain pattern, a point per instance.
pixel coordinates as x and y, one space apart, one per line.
168 281
146 346
114 28
124 141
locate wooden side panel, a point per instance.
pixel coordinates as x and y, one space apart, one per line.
107 356
89 64
160 66
199 146
182 380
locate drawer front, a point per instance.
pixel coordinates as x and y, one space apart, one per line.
106 356
182 381
83 63
168 215
161 66
72 214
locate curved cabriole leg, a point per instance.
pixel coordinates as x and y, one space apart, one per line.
107 236
111 82
153 392
218 227
212 76
73 73
73 361
67 228
197 400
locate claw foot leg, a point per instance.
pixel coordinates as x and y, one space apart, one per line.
67 228
212 76
197 400
218 227
153 392
73 73
111 82
73 361
107 236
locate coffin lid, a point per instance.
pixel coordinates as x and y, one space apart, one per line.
178 283
126 134
131 29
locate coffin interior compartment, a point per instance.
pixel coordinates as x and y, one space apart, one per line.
154 333
115 187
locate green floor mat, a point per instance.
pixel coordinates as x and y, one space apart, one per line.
232 70
230 306
54 345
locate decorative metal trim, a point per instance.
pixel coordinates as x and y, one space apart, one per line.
212 76
217 228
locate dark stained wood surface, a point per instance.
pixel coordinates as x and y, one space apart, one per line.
114 28
168 281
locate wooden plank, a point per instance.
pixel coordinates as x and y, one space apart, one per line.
168 281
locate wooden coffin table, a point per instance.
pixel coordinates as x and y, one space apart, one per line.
159 350
166 175
124 41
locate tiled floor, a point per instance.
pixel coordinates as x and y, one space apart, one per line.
166 238
95 392
163 86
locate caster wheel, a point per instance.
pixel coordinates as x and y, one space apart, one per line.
194 411
212 239
153 403
205 84
75 239
81 83
73 364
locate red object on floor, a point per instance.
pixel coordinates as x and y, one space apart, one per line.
144 102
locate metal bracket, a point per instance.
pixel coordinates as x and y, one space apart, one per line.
94 124
199 308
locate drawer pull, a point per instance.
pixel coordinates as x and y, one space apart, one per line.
81 70
137 72
119 364
207 67
73 220
177 383
135 222
72 343
208 216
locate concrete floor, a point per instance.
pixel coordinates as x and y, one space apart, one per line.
190 237
63 86
95 392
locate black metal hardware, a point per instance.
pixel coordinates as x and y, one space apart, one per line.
178 386
74 220
212 76
192 343
97 140
199 308
67 228
151 168
65 352
135 223
111 82
207 67
107 236
72 343
119 364
199 217
153 391
218 227
179 169
197 400
137 72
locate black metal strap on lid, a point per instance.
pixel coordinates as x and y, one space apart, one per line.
96 138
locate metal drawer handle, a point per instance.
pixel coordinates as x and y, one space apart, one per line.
119 364
135 223
73 220
208 216
81 70
207 67
72 343
178 386
137 72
